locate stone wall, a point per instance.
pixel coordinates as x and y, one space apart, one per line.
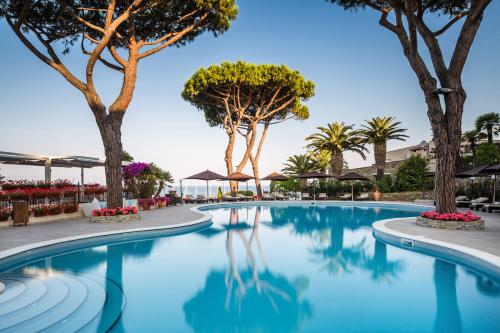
407 196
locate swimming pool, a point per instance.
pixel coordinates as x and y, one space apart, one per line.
258 268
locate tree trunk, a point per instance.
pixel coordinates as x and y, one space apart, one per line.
489 130
337 163
380 151
255 168
110 128
228 158
447 135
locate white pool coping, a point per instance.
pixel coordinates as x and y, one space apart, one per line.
29 247
381 231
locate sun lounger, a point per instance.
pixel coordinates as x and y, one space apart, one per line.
305 196
229 198
322 196
201 199
346 196
189 199
462 201
268 197
491 207
478 203
362 196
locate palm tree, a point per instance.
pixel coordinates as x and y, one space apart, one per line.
299 165
378 131
472 137
489 122
337 138
322 159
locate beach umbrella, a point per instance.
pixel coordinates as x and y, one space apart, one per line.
352 176
493 170
472 173
239 177
207 176
314 175
275 176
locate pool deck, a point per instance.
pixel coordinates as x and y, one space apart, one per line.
487 240
50 232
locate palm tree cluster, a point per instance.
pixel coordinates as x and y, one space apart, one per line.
327 146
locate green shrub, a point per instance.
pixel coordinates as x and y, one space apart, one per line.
385 184
410 175
487 154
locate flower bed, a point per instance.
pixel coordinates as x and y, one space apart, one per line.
451 221
124 214
5 214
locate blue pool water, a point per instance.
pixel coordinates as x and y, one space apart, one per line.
268 268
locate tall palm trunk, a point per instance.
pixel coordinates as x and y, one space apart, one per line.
489 130
337 163
380 151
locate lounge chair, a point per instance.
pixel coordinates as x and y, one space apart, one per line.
268 197
189 199
478 203
201 199
346 196
491 207
322 196
363 196
305 196
229 198
462 201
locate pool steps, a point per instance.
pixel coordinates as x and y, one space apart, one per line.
58 303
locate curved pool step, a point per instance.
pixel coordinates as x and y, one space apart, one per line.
59 302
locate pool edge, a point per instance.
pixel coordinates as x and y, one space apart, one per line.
38 245
463 255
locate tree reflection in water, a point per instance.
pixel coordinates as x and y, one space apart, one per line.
248 300
326 226
448 317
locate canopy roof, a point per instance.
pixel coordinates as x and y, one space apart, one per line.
55 161
275 176
207 175
352 176
239 177
311 175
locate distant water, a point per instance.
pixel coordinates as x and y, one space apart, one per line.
202 189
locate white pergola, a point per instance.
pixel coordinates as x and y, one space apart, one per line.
82 162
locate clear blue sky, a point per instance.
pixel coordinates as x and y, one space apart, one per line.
357 66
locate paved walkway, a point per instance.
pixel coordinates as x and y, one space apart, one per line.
487 240
11 237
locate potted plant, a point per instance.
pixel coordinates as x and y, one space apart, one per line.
162 201
5 214
55 210
40 211
146 204
70 208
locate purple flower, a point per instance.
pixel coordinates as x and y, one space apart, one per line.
134 169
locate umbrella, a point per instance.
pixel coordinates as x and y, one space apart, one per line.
206 176
314 175
275 176
352 176
493 170
239 177
471 173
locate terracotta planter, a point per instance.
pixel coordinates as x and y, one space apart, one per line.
377 195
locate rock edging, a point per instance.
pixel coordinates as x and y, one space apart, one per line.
450 225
